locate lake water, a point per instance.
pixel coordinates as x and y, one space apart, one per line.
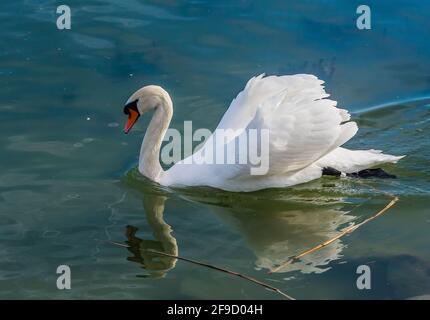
68 179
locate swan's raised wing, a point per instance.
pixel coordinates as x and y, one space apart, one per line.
303 125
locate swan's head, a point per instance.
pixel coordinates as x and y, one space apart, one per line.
143 100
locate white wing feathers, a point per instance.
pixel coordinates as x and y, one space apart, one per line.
305 132
303 125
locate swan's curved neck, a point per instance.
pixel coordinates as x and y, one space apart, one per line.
149 159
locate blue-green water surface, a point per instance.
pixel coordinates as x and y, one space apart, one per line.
68 183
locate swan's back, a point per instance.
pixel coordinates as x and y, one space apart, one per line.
303 126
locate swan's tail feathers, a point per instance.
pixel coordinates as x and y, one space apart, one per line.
384 157
349 161
377 157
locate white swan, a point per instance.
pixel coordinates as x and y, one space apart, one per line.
305 129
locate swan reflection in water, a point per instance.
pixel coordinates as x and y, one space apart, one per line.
273 229
164 241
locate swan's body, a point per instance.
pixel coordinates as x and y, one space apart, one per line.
305 129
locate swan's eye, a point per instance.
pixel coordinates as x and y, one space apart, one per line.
131 110
131 106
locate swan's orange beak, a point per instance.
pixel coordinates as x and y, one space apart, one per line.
133 115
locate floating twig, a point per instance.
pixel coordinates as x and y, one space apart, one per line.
345 231
207 265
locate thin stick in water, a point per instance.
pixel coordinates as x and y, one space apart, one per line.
207 265
340 235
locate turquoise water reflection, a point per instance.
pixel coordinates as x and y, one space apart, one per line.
68 183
